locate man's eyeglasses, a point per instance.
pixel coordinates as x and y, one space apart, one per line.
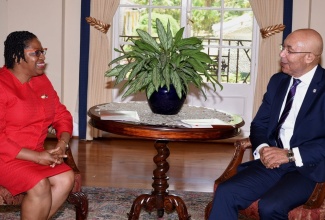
288 51
37 53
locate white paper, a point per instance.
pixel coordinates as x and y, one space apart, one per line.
119 115
204 123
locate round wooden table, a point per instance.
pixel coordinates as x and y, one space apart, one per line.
159 199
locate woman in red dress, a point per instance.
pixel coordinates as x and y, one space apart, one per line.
28 106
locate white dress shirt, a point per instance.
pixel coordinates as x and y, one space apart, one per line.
286 130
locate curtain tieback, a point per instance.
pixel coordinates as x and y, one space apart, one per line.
271 30
101 26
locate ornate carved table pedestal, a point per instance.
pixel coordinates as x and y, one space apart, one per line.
163 129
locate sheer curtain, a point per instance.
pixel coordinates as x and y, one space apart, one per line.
269 16
101 16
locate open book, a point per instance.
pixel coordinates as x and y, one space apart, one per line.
119 115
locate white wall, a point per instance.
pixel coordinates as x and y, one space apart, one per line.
3 28
309 14
71 53
44 19
317 20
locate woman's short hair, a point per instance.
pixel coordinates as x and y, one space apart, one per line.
15 44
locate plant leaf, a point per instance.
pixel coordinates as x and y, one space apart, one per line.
125 70
189 52
136 69
137 54
179 35
188 41
169 37
166 76
135 85
163 61
191 76
119 58
143 46
150 90
162 35
202 57
114 71
197 65
118 50
176 81
184 81
148 39
190 47
156 78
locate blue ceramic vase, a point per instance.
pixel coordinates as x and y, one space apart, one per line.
166 102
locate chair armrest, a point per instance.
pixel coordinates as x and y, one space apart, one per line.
317 197
240 147
70 162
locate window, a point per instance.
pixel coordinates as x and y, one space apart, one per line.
225 26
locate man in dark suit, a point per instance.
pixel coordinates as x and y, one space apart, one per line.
287 135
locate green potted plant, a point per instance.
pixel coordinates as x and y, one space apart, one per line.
166 62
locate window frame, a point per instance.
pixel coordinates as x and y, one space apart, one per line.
185 9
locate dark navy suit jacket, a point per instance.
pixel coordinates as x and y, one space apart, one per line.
309 130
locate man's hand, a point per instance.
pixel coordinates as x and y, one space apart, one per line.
273 157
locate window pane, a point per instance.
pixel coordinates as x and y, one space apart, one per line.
239 25
206 3
214 55
138 19
237 4
166 2
235 65
130 20
210 41
134 2
203 21
154 2
165 15
226 30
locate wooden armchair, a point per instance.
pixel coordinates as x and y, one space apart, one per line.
313 209
76 197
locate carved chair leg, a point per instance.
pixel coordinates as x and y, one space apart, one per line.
207 210
80 201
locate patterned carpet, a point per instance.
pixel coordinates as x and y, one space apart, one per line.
115 203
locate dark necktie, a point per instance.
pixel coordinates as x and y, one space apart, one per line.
286 110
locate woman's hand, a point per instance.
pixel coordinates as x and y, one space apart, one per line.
47 157
52 157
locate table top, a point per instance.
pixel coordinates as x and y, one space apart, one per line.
168 127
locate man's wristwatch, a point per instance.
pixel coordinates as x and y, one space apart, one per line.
291 156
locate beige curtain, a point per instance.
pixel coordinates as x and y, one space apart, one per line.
269 16
102 13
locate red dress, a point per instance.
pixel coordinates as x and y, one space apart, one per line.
26 112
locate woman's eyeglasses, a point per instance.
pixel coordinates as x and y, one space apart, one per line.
37 53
